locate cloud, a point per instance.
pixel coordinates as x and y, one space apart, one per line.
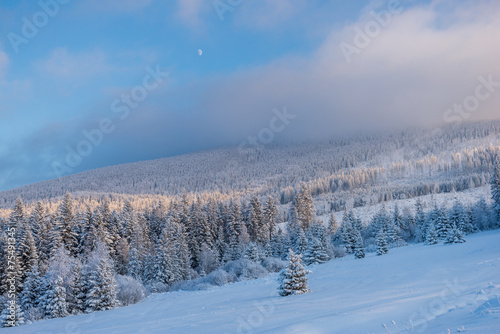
189 11
265 14
65 65
4 63
114 6
427 59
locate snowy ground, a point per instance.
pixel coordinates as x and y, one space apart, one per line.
435 288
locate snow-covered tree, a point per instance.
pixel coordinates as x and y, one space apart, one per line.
495 190
12 314
65 225
252 252
455 236
333 226
54 301
359 248
442 225
304 207
270 217
382 246
316 252
30 296
293 278
432 237
347 232
102 292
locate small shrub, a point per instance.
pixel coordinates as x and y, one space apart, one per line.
273 265
245 269
130 290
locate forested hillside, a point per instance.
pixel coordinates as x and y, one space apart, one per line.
361 169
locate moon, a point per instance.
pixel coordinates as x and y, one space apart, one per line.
200 52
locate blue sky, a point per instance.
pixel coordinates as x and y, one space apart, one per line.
264 54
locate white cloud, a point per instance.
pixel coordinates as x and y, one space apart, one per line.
421 64
65 65
114 6
4 63
189 11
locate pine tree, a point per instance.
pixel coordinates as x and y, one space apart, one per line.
316 253
55 300
359 249
277 244
37 222
9 264
397 218
252 252
102 293
304 207
31 289
382 246
347 232
270 217
455 236
432 237
75 289
28 252
293 278
42 231
65 225
301 243
459 218
442 225
420 219
432 218
333 226
9 318
255 225
495 190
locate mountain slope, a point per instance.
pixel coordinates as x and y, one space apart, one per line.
368 169
432 288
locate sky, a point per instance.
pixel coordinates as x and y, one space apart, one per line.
91 83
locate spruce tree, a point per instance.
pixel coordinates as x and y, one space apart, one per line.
9 318
359 249
270 217
347 232
382 246
333 226
102 292
65 225
420 219
252 252
293 278
55 300
316 252
397 218
304 207
301 243
30 296
455 236
432 237
255 225
495 190
75 289
442 225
